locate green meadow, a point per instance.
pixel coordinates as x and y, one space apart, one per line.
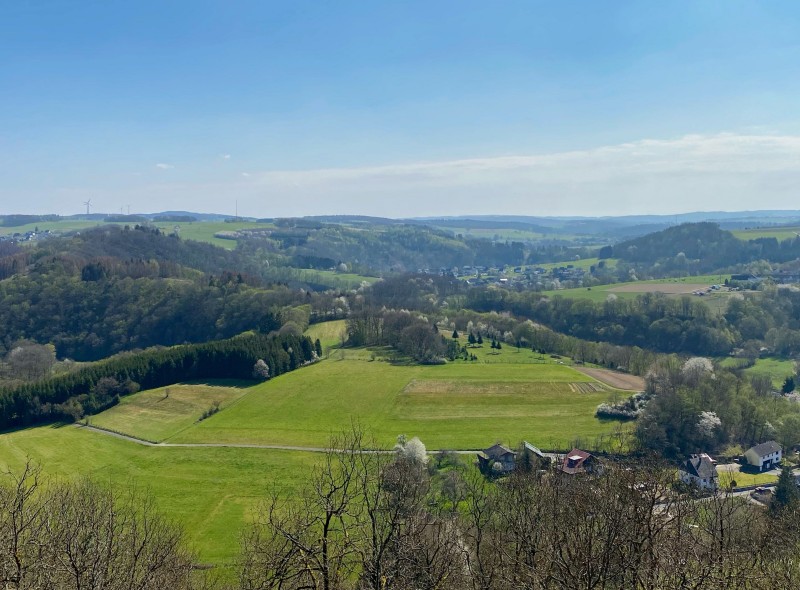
212 492
774 368
632 290
779 233
157 414
329 334
454 406
507 395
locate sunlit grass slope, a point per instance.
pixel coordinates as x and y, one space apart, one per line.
157 414
459 405
210 491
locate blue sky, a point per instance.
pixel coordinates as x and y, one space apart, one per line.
401 108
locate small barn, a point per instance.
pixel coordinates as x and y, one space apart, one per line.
496 460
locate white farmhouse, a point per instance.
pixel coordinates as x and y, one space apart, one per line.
698 470
764 456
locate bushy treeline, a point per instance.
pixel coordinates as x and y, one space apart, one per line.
409 333
56 398
695 407
17 220
142 242
370 522
659 322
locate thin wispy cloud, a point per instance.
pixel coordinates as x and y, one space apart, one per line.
723 171
162 166
651 176
225 156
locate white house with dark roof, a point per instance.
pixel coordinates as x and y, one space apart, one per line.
764 456
698 470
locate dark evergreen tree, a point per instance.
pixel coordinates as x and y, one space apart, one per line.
788 385
786 493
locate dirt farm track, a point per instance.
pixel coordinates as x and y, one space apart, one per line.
614 379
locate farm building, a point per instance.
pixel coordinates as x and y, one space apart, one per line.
698 470
496 460
764 456
577 461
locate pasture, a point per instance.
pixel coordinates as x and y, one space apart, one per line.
329 333
212 492
774 368
672 287
157 414
779 233
454 406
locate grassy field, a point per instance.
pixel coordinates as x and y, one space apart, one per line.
328 333
584 263
506 396
774 368
459 405
622 290
779 233
210 491
158 414
745 479
203 231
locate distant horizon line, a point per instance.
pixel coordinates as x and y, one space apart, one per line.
732 214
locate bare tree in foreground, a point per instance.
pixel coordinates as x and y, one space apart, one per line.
373 521
83 535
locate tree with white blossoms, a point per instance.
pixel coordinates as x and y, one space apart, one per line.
261 370
694 368
412 450
709 425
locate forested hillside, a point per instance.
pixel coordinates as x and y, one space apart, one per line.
697 248
110 290
401 248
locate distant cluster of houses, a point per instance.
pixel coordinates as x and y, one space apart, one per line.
28 236
518 275
698 470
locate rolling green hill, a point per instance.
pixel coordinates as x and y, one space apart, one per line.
456 406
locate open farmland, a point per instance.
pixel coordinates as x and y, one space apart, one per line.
456 406
212 492
779 233
776 369
615 379
329 334
157 414
631 290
